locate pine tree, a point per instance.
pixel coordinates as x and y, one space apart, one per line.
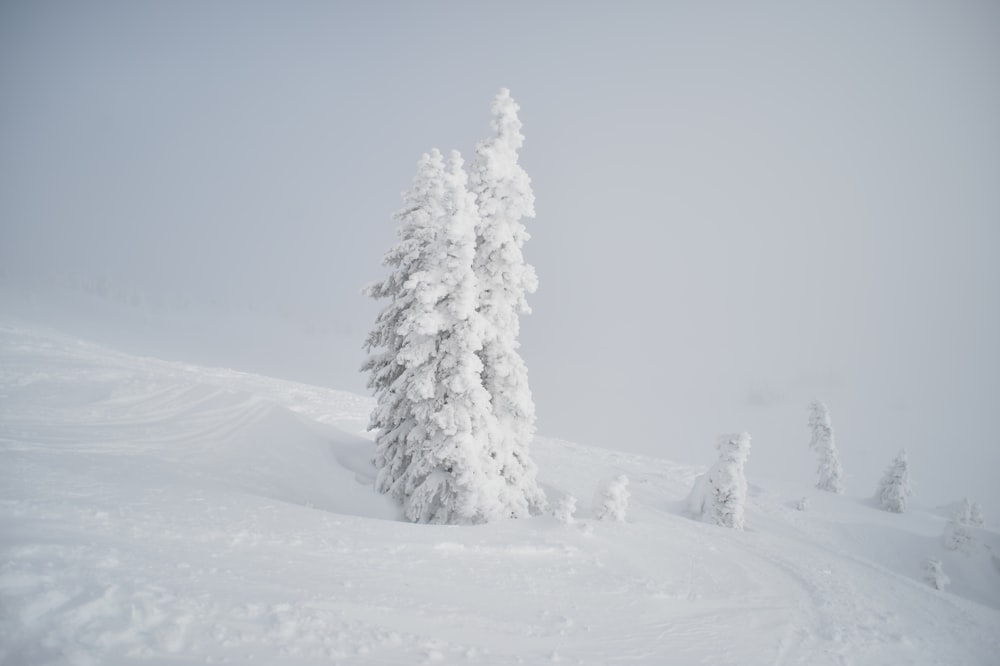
894 489
719 496
934 574
976 514
611 500
564 510
435 427
503 198
831 474
957 535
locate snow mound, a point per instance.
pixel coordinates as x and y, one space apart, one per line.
164 512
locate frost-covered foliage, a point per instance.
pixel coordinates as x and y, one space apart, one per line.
831 474
976 514
894 489
436 431
719 496
957 533
503 198
564 510
957 536
611 500
802 504
934 574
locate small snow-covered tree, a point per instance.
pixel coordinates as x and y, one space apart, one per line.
894 489
611 500
719 496
976 514
436 430
564 510
934 574
503 198
964 512
831 474
957 535
802 504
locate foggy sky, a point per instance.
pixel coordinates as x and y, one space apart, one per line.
741 206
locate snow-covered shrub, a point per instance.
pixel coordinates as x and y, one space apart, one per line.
503 198
957 535
831 474
564 510
934 574
802 504
719 496
611 500
976 515
964 512
894 489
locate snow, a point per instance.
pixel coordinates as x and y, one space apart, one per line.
162 512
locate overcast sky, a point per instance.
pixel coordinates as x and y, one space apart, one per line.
741 206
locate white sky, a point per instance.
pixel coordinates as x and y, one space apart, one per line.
741 206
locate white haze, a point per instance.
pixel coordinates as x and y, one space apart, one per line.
741 208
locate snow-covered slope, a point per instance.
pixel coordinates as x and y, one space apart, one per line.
163 513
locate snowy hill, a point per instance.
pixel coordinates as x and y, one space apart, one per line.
166 513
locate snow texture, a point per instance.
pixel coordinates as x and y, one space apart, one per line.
611 499
156 512
503 198
831 474
894 489
719 496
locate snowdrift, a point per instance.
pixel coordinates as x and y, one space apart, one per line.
169 513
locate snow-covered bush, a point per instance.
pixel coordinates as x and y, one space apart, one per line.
564 510
957 535
934 574
894 489
831 474
976 515
802 504
719 496
611 500
503 198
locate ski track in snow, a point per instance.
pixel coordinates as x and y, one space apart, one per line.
167 513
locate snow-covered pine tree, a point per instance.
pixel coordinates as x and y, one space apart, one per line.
957 535
503 198
964 512
831 474
894 489
976 515
611 499
564 510
433 416
719 496
934 574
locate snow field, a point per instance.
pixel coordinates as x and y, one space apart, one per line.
165 513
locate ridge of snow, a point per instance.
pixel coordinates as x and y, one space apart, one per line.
163 511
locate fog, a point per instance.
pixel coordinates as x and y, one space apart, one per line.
741 208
